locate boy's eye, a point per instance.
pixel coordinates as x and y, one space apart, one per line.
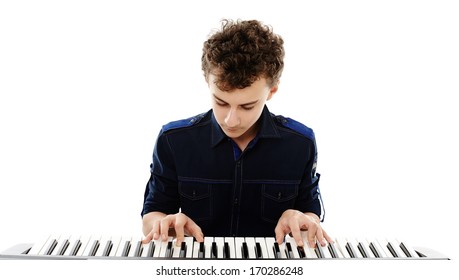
220 104
248 108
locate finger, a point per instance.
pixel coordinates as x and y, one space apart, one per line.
148 238
180 222
280 234
165 223
328 238
194 230
296 233
156 229
320 237
312 236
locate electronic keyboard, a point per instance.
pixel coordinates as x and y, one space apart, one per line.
112 247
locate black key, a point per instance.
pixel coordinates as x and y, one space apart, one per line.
168 250
333 252
94 247
375 250
75 248
363 250
51 247
138 249
245 251
350 250
392 250
226 251
405 250
108 248
301 252
213 250
318 250
276 249
258 252
126 249
201 252
63 247
182 253
151 249
289 251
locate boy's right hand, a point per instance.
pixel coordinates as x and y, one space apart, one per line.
180 223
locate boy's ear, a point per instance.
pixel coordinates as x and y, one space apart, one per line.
272 91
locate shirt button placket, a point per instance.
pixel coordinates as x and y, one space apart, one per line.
235 212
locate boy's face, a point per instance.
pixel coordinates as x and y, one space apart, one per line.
238 111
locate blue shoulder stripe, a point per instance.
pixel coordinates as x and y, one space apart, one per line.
183 123
297 127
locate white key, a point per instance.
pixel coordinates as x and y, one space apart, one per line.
136 243
383 244
116 240
195 249
189 246
164 244
37 247
396 247
337 249
264 248
341 246
123 246
353 242
362 242
220 241
61 243
72 242
147 249
269 244
377 246
84 241
176 249
238 245
52 240
251 246
310 252
91 245
158 245
282 250
232 249
410 249
291 240
103 242
326 251
208 246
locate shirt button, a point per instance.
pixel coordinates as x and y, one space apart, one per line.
235 201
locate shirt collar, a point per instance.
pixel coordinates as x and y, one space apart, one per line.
267 128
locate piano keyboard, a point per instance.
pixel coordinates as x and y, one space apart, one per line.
81 247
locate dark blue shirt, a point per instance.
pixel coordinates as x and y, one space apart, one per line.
199 171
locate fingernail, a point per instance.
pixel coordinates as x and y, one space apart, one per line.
155 236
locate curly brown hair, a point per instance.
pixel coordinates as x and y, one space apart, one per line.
241 53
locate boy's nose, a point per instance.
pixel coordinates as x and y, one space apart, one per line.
232 119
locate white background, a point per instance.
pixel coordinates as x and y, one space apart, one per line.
86 85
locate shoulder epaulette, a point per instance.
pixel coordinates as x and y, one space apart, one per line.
295 126
183 123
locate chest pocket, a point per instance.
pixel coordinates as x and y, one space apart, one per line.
276 198
195 198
